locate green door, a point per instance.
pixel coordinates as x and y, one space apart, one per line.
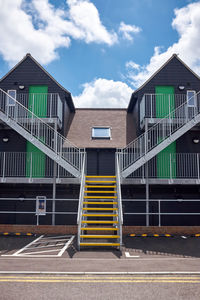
35 162
165 104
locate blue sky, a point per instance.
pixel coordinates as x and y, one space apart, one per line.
100 50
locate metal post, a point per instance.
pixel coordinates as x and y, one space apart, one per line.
159 216
54 184
54 193
4 163
198 165
170 165
147 177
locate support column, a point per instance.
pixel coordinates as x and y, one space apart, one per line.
54 193
147 194
54 183
147 175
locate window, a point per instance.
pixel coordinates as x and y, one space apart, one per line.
101 133
10 101
191 98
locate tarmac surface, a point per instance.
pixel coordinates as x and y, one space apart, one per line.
146 268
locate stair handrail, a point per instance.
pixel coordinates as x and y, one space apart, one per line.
81 197
32 118
118 181
146 133
119 197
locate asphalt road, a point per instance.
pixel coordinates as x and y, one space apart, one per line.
100 287
178 254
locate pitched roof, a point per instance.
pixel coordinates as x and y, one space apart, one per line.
37 63
130 106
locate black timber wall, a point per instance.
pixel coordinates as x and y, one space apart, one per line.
173 74
29 73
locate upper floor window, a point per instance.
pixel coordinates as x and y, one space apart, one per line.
191 98
101 133
10 101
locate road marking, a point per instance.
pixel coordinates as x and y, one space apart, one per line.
102 280
103 277
43 244
24 248
127 254
169 273
66 246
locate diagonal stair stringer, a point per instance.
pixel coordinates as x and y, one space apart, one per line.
22 120
149 155
159 136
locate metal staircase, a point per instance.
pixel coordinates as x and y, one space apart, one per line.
40 134
100 212
159 136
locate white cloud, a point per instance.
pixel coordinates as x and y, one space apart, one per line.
187 24
38 27
127 31
104 93
132 65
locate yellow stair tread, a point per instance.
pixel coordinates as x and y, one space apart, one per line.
100 186
100 208
99 222
99 244
97 181
99 176
105 192
103 203
95 236
100 228
100 197
100 215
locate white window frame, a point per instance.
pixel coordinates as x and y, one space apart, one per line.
8 102
191 105
101 137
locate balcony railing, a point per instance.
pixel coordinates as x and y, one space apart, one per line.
171 166
47 105
160 105
29 165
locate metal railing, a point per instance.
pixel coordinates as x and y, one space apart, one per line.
31 126
171 166
81 199
29 165
160 105
24 211
158 133
164 208
43 105
119 198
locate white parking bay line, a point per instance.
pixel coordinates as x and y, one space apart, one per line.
42 247
24 248
127 254
66 246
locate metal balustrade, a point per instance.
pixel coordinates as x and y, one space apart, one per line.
25 212
158 137
165 211
41 135
43 105
28 164
171 166
150 107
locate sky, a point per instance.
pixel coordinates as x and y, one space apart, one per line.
100 50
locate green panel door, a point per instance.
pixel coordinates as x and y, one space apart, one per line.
35 162
38 100
165 104
164 100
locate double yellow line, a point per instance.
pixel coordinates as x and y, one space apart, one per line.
102 279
